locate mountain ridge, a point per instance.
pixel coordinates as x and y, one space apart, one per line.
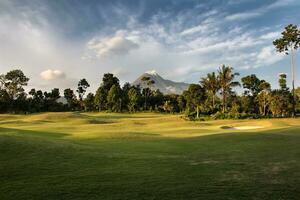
164 85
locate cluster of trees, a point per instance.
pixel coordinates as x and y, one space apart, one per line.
213 96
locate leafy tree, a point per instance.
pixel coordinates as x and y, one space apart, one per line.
108 81
147 91
251 84
156 99
226 80
114 99
4 101
13 82
125 99
36 101
263 97
282 82
280 103
212 85
51 98
181 103
288 43
70 97
133 97
168 107
89 104
100 99
195 96
81 88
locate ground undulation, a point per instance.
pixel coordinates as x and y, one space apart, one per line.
147 156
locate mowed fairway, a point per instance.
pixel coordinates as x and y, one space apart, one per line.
147 156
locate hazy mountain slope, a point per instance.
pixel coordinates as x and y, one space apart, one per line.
165 86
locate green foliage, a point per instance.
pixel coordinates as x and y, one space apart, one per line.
114 99
282 82
289 40
81 88
88 102
100 99
212 84
71 98
133 97
226 78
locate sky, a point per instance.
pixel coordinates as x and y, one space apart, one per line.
57 42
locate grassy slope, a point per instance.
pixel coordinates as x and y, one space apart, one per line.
146 156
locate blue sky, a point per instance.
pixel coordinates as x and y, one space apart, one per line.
57 42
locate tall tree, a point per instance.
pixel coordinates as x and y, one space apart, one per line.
89 104
147 91
133 98
100 99
226 79
212 85
251 84
195 96
13 82
70 97
108 81
288 43
282 82
263 97
114 98
81 88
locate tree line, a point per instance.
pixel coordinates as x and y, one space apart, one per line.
213 96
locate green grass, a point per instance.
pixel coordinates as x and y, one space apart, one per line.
146 156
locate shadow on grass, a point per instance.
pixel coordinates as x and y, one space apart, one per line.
22 132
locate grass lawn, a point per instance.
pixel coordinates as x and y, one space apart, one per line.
147 156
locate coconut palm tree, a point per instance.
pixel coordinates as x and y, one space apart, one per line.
212 85
226 80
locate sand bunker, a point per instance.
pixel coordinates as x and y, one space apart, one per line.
241 127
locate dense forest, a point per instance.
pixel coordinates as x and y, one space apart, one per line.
212 97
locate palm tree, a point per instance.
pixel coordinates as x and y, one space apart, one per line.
288 43
212 85
226 80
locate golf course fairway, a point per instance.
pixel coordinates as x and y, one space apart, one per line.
147 156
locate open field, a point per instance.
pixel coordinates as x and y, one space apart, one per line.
147 156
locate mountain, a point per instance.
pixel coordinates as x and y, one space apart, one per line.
165 86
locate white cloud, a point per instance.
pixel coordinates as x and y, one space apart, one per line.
270 35
196 29
52 75
116 45
268 56
243 16
260 11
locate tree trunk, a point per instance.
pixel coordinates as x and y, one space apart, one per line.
197 111
224 100
213 100
293 81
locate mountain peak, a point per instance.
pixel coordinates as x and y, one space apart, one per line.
164 85
152 72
